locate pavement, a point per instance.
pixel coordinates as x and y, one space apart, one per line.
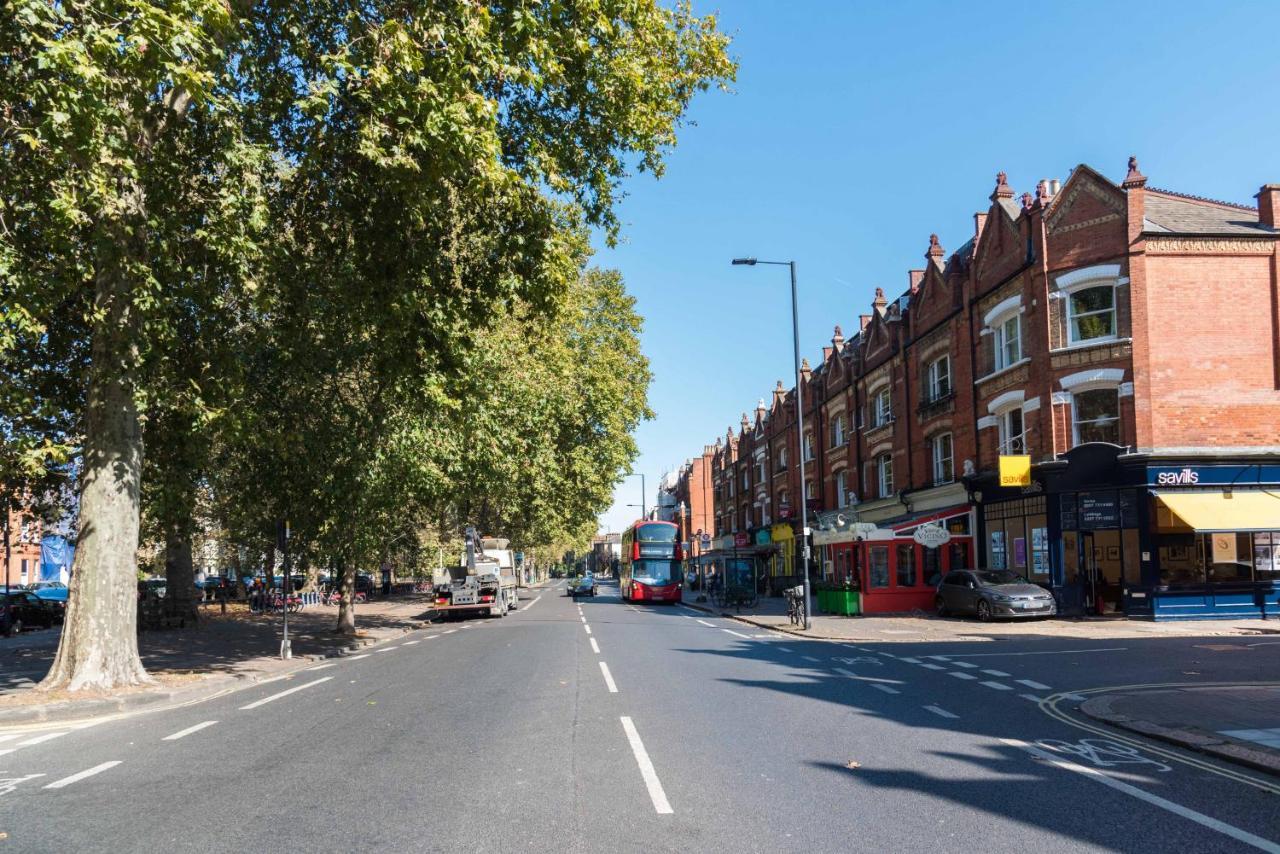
605 726
1239 723
225 650
771 613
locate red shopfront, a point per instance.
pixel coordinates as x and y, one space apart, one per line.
899 562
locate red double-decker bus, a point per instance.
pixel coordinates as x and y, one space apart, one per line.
651 560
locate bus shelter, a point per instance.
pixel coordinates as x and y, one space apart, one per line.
729 577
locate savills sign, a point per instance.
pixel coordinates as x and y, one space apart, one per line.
1185 477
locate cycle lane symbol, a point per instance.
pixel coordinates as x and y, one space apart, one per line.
1101 752
10 784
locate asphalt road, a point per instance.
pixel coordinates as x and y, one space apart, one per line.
600 726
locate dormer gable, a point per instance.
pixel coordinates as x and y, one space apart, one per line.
1002 249
1087 199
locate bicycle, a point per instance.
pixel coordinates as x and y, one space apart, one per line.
795 605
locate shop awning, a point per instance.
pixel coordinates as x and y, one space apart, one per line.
1240 510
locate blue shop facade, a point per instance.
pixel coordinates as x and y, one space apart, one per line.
1111 532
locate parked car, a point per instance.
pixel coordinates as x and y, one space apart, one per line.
152 588
988 593
46 585
55 598
22 609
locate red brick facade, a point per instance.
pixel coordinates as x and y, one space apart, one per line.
1086 312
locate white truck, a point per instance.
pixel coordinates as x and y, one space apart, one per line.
483 582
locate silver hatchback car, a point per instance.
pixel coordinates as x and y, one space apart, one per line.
989 593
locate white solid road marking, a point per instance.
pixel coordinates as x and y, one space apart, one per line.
274 697
885 688
608 678
1031 683
41 738
185 732
656 794
705 623
75 778
941 712
1155 800
595 647
356 657
737 634
962 675
998 686
995 673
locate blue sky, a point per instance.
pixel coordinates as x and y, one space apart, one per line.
857 129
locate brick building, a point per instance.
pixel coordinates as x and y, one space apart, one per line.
24 550
1126 338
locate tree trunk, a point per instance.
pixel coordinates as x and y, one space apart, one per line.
180 576
310 572
270 569
99 644
347 610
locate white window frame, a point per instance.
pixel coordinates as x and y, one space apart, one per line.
782 458
1007 441
808 446
882 407
884 474
809 490
1075 421
837 431
842 489
933 375
1000 340
935 446
1087 278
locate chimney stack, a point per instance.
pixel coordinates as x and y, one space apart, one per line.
1268 204
915 277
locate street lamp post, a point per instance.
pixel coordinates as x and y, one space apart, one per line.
804 501
643 509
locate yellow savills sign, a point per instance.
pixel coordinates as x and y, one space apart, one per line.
1015 470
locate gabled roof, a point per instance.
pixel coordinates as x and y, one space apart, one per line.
1175 213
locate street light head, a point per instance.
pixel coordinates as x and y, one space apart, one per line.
750 262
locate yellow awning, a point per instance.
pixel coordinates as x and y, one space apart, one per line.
1244 510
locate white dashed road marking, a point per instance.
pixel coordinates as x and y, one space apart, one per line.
656 794
995 673
40 739
1031 683
785 649
962 675
911 660
705 623
588 628
1032 697
810 658
997 686
941 712
356 657
595 647
885 688
75 778
933 666
185 732
608 678
737 634
965 665
409 643
275 697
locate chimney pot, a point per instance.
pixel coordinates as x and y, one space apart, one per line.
1268 204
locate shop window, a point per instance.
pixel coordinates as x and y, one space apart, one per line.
938 379
1095 416
884 474
906 565
931 566
1266 556
878 566
1013 436
1091 314
1007 340
943 468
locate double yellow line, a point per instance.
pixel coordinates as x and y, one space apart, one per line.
1049 705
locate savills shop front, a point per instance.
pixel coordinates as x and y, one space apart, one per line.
1116 533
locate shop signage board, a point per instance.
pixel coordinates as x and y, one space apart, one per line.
931 536
705 542
1098 510
1015 470
1239 476
741 540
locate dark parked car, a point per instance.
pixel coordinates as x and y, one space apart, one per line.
22 609
55 598
988 593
